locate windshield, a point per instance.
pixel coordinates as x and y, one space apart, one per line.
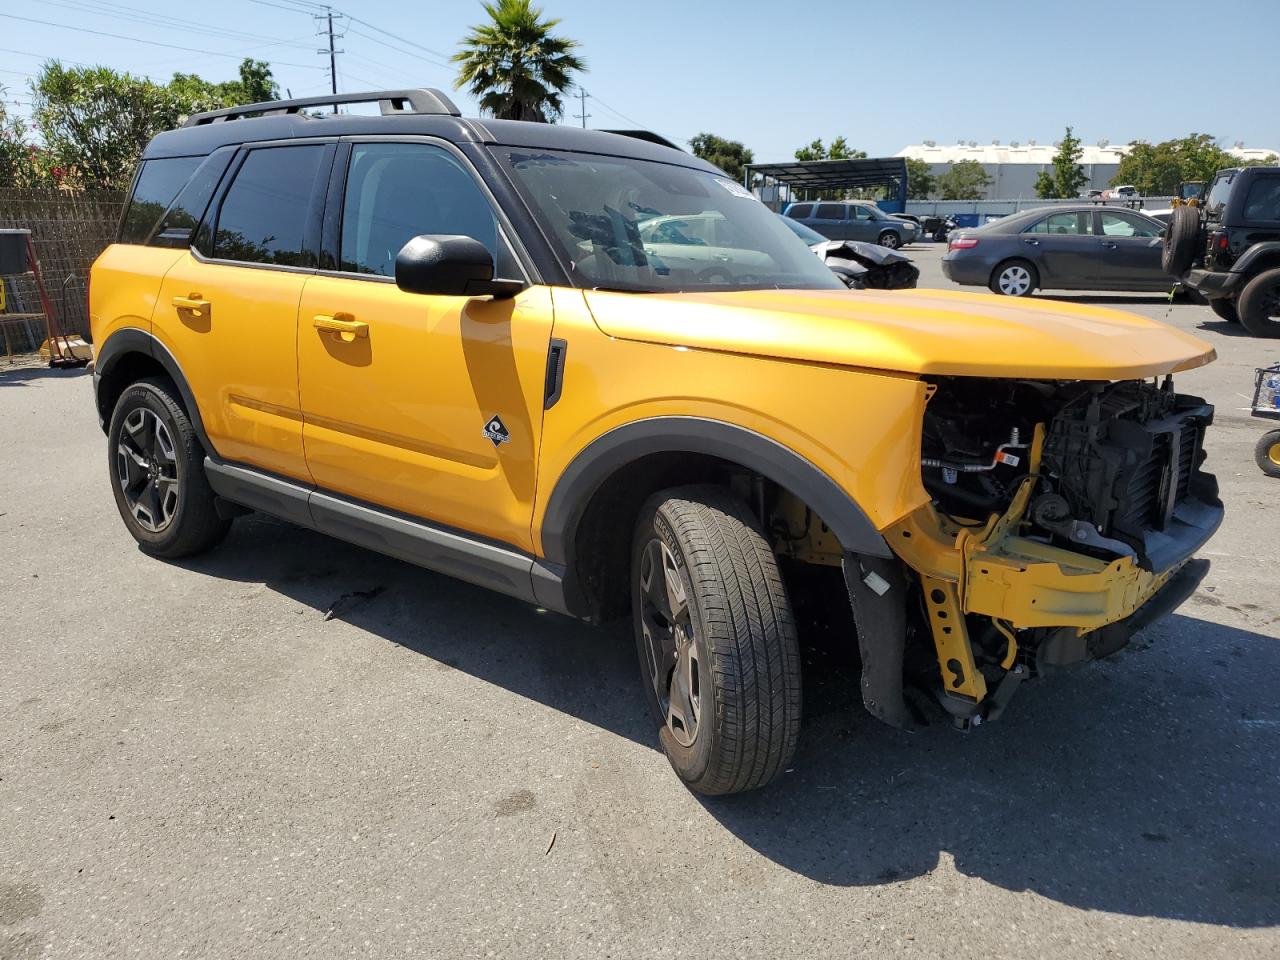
620 223
807 234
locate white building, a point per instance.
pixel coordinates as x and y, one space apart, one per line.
1013 167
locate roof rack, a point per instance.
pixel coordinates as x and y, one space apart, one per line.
389 102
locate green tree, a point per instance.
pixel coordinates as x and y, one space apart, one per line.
95 122
920 182
1067 178
839 150
729 155
515 66
965 180
1157 169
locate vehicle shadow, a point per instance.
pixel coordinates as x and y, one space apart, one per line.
1223 328
18 376
1111 299
1143 786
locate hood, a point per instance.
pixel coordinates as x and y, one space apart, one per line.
938 332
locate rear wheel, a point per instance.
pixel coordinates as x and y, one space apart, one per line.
1014 278
889 239
1225 308
157 473
1259 304
1181 240
1267 453
717 644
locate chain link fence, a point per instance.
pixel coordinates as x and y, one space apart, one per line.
68 229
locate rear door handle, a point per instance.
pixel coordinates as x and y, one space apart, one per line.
346 328
1109 244
192 303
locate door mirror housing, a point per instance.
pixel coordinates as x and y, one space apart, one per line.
451 266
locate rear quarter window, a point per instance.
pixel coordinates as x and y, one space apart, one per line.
800 211
156 186
1263 199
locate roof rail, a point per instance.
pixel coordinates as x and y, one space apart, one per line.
389 102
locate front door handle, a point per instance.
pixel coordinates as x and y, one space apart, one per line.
1034 243
1109 244
341 324
192 303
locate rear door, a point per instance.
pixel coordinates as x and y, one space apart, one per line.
1063 249
831 220
228 309
1129 249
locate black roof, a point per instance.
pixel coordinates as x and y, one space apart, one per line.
283 120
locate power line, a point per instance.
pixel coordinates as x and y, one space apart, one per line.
120 11
153 43
583 116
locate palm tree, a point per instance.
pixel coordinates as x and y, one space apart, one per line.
513 64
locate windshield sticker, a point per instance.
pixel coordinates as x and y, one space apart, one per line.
737 189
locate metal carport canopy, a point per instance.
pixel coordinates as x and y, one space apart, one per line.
834 173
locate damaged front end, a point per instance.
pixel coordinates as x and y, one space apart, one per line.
1063 517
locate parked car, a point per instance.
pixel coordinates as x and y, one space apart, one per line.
1228 247
707 243
1077 247
862 266
854 220
445 340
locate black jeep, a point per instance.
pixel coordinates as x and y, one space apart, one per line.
1228 247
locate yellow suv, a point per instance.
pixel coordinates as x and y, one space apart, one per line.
447 340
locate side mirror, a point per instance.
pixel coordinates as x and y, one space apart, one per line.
451 266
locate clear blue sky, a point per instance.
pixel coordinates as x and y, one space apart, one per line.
776 75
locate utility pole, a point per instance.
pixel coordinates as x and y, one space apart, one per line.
327 16
582 95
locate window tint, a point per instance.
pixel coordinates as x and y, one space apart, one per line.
830 211
862 213
264 214
1263 199
1219 190
800 211
1127 225
158 183
396 191
1069 223
175 228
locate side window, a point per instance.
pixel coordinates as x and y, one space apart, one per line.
861 213
800 211
264 214
158 183
830 211
1263 199
396 191
180 220
1125 225
1062 223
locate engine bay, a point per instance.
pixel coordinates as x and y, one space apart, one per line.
1118 461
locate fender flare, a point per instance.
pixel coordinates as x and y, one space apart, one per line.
596 462
1267 248
129 340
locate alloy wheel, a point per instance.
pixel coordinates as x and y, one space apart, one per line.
890 240
671 654
147 469
1014 281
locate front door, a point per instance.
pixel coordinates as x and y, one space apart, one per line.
1129 250
427 405
862 226
232 312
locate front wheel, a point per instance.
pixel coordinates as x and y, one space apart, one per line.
1267 453
1259 304
156 464
717 644
1014 278
889 239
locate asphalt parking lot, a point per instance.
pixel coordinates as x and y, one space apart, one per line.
291 747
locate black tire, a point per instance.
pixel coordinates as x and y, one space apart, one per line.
160 473
998 284
1267 453
889 239
1181 241
705 581
1225 308
1259 304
